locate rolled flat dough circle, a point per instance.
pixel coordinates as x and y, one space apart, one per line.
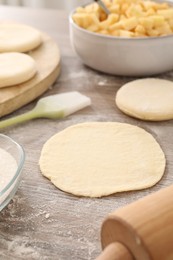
147 99
16 68
18 38
98 159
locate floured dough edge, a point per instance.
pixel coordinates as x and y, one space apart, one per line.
148 117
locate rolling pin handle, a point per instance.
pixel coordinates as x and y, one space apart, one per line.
115 251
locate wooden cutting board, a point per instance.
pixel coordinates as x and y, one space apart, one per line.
47 57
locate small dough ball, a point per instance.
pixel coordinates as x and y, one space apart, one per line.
18 38
16 68
98 159
147 99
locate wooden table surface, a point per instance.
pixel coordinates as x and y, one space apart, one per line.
43 222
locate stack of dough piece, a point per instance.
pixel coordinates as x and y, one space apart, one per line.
15 66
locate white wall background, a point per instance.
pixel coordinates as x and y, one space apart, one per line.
60 4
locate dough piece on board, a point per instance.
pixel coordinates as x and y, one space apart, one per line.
16 68
98 159
147 99
18 38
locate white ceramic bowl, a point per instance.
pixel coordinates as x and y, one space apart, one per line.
122 56
17 152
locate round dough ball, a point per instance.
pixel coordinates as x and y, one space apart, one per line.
98 159
18 38
147 99
16 68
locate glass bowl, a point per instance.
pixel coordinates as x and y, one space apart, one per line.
9 149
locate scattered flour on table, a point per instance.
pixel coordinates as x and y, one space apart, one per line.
8 167
47 215
22 248
74 75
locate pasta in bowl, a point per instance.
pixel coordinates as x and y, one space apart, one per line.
129 43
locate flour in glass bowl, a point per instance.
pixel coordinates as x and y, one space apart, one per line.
8 167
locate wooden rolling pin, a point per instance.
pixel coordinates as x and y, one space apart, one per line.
142 230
